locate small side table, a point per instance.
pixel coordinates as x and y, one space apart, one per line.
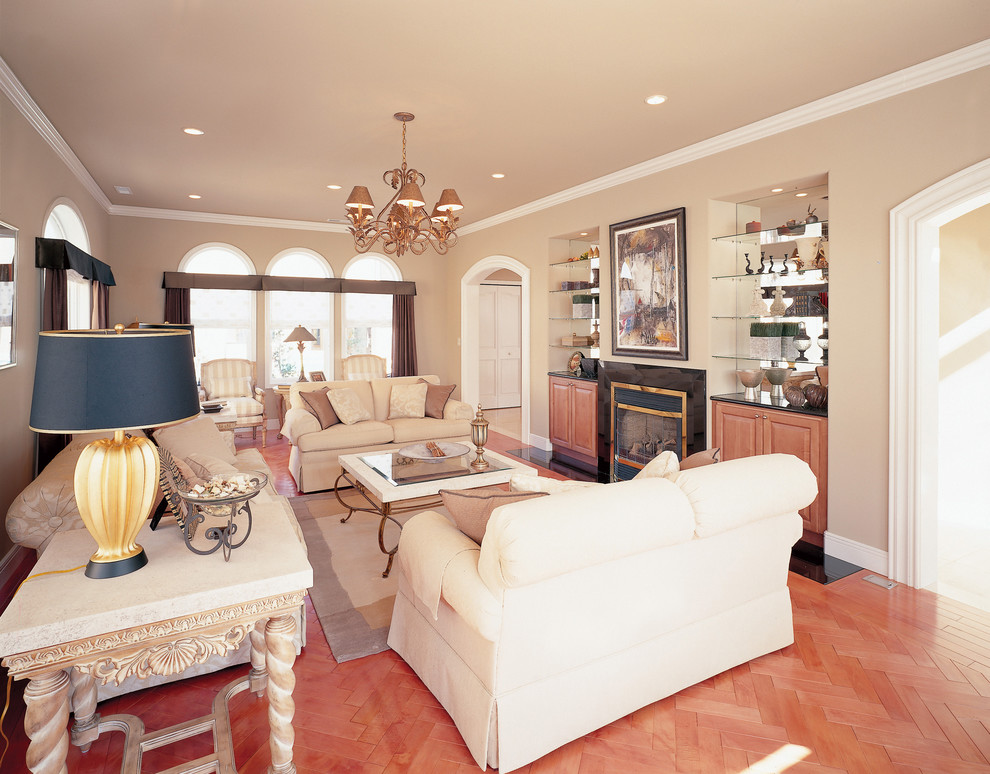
226 421
282 390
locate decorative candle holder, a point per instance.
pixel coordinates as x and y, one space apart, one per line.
479 437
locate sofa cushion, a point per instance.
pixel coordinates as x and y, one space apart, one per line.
230 387
348 407
204 466
410 430
407 400
527 482
197 435
436 398
664 465
472 508
246 407
381 391
341 436
318 404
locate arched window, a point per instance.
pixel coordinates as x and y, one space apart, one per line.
287 309
367 318
224 319
64 222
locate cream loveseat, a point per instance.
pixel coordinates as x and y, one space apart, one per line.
47 505
581 607
315 450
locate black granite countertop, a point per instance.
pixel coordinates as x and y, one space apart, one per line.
782 405
569 375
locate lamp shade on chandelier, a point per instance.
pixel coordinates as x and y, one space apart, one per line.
403 224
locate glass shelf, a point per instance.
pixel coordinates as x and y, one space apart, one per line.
589 291
793 277
587 319
594 351
790 363
770 317
769 236
586 262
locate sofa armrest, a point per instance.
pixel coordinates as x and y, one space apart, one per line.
440 561
299 422
457 409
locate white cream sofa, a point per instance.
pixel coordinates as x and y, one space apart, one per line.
313 457
48 505
581 607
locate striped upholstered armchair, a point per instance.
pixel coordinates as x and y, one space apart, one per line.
234 381
363 367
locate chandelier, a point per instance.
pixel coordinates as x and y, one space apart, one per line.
403 224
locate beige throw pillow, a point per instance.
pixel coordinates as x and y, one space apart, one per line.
348 407
436 398
407 400
204 466
664 465
317 403
471 509
195 436
522 482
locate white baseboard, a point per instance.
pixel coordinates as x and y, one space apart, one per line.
540 442
860 554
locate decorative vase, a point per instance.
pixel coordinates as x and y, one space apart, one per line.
777 377
807 249
757 307
802 342
778 307
823 343
596 336
751 379
817 395
794 395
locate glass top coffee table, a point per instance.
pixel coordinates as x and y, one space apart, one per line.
386 481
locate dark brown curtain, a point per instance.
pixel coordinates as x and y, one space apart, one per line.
178 306
55 307
403 336
101 305
54 317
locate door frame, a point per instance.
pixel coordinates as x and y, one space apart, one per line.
912 509
470 297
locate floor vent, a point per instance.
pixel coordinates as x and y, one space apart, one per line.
881 582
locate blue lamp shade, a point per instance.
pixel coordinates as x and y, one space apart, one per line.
88 381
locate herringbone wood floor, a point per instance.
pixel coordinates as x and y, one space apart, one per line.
876 681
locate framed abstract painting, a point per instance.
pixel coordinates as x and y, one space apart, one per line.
649 286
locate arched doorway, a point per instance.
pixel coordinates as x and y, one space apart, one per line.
914 331
470 347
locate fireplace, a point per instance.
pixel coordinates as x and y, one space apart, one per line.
645 410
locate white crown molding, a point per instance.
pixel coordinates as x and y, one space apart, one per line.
17 94
229 220
934 70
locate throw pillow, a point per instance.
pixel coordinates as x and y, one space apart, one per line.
407 400
197 435
317 403
522 482
436 398
696 460
471 509
664 465
230 387
205 466
348 407
170 477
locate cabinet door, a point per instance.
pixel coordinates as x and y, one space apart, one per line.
805 437
737 430
560 412
584 418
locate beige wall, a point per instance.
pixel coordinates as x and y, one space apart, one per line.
32 177
875 157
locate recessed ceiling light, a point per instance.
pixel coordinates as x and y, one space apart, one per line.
195 196
803 193
498 175
193 130
583 233
656 99
776 190
334 187
123 189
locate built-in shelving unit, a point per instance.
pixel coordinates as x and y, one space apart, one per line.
574 306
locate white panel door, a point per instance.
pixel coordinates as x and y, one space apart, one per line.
487 347
509 314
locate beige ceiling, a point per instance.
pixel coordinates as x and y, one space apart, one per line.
298 94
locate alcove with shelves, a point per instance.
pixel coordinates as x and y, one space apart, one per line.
574 299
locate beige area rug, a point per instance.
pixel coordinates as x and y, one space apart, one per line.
351 598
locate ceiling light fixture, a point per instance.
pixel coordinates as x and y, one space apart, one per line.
498 175
195 196
403 224
334 187
656 99
193 131
776 190
799 195
123 189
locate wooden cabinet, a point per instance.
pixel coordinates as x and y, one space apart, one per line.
742 430
574 421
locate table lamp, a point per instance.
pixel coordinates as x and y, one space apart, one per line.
114 380
300 335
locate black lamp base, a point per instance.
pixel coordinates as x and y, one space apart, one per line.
117 568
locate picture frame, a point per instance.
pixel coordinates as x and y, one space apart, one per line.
317 376
649 286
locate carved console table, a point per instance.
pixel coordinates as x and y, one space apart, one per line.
64 632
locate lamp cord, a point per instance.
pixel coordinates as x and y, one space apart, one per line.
10 678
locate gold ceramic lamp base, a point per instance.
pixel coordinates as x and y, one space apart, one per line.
115 485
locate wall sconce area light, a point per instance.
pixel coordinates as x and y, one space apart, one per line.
111 381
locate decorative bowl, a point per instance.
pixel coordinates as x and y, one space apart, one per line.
777 377
751 379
